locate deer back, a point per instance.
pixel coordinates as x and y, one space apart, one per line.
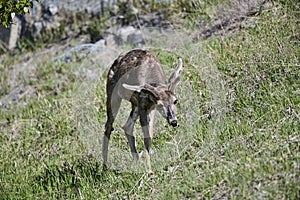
136 67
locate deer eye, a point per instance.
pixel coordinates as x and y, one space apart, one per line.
175 102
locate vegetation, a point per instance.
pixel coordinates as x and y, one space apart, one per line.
239 123
8 10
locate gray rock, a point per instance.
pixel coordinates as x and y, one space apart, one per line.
53 9
94 59
38 27
136 39
111 40
11 35
123 33
101 43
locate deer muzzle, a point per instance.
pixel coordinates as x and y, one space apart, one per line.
172 117
173 123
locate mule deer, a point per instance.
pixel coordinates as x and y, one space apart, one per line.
138 77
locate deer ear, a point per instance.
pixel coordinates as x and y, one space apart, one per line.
147 89
175 77
135 88
152 92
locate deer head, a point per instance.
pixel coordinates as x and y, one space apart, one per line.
162 95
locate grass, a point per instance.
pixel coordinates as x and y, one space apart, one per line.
238 136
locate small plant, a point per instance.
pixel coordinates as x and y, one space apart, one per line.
8 10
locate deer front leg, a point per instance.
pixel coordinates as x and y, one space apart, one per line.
128 129
147 119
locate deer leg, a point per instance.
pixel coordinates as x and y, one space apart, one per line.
151 123
146 120
128 128
112 107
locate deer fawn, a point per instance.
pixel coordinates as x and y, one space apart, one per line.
138 77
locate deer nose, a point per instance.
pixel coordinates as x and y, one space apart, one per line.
173 123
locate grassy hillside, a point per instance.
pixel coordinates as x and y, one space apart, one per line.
239 122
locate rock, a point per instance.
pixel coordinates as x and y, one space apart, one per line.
11 35
127 34
111 40
88 51
93 59
53 9
38 27
70 19
133 37
101 43
136 39
123 34
36 12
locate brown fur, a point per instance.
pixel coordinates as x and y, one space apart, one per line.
137 76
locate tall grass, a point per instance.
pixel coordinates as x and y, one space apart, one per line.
238 135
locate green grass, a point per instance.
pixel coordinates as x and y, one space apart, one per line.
238 136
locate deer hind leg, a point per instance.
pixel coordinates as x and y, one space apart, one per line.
112 107
147 121
128 129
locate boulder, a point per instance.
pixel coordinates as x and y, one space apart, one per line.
10 36
125 35
136 39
